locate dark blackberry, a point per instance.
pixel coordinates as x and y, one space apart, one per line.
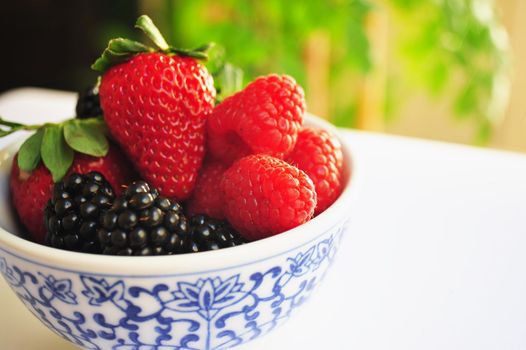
72 214
207 233
88 104
141 222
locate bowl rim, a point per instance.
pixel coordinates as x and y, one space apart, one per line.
195 263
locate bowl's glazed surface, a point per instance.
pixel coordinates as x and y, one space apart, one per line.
209 300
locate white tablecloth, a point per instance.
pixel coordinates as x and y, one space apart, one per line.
435 257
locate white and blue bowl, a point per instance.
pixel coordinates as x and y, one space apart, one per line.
210 300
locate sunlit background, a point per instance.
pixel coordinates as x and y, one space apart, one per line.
452 70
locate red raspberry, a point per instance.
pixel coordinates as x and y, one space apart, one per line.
264 196
265 117
207 197
319 154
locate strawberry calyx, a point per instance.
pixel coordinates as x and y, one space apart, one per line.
228 79
120 50
55 143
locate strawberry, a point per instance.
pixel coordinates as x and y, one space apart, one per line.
30 191
265 117
319 154
207 197
54 150
264 196
29 195
155 105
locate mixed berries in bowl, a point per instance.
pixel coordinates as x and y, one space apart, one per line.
161 217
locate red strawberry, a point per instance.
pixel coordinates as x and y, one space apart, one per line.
30 192
155 106
319 154
265 117
155 102
264 196
207 197
117 170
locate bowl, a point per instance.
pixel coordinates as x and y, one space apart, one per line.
208 300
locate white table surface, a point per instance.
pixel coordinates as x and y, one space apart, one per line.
435 257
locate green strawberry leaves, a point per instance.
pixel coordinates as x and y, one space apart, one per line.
55 144
56 154
199 53
121 50
29 153
228 79
87 138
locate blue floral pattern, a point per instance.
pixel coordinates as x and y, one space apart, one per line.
60 289
210 311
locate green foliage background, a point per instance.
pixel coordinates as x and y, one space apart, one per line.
455 49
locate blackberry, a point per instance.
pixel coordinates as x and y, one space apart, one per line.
141 222
88 104
207 233
72 214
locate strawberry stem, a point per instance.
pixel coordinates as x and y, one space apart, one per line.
8 123
145 24
8 127
121 50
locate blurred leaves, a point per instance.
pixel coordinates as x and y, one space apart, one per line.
270 36
460 52
455 49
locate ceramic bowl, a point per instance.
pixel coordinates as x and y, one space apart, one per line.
209 300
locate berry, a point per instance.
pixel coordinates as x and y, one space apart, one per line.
31 191
207 197
114 166
207 233
29 194
318 153
88 104
155 106
72 215
264 196
141 222
265 117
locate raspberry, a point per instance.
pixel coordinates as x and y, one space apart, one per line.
72 214
318 153
264 196
265 117
207 197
